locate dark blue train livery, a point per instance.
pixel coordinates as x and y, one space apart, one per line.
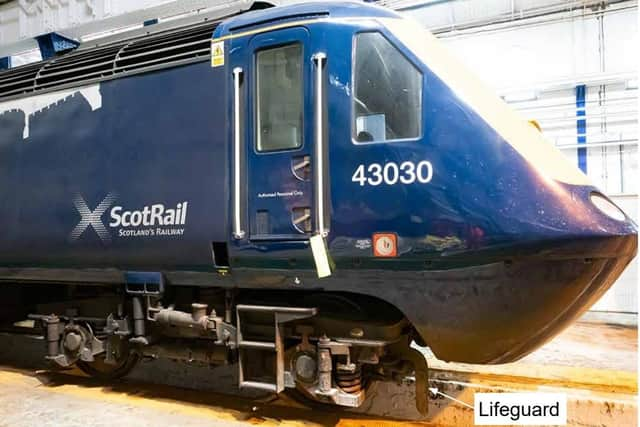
301 190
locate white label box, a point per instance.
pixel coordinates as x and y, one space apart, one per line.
523 409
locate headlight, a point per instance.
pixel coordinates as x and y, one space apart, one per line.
606 207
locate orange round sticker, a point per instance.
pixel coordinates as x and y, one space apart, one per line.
385 245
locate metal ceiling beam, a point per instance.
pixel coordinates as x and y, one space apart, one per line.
170 14
558 12
503 14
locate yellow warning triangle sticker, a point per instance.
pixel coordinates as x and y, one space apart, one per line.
217 54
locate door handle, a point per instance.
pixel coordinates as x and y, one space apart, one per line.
301 219
238 233
301 167
319 59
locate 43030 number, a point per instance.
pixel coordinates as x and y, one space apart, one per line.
391 173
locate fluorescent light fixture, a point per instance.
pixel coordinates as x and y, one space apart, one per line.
527 95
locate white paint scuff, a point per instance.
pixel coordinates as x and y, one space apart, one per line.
35 104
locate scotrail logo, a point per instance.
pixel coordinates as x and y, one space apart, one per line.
92 218
150 221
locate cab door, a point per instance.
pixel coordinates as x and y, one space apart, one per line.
276 157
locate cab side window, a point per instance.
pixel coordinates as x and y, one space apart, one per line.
279 98
387 101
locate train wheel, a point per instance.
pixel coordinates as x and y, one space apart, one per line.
303 399
337 307
109 371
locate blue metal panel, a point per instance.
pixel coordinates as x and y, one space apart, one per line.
52 44
142 277
581 126
156 139
5 63
144 282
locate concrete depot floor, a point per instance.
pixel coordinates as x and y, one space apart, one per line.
595 361
591 345
583 345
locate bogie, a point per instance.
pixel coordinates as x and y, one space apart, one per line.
323 346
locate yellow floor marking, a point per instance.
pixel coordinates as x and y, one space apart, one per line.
186 402
589 378
191 403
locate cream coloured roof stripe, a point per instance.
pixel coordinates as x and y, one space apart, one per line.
523 137
266 29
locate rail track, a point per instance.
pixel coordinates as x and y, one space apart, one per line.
160 393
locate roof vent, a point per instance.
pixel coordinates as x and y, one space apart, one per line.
79 67
19 80
179 46
84 66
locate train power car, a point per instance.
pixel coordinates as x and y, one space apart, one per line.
302 191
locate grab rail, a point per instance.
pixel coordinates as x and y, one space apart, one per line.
238 233
319 60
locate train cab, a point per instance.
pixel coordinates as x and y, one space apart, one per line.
353 123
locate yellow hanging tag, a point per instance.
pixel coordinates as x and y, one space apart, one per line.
320 256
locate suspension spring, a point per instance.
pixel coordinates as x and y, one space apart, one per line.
349 382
